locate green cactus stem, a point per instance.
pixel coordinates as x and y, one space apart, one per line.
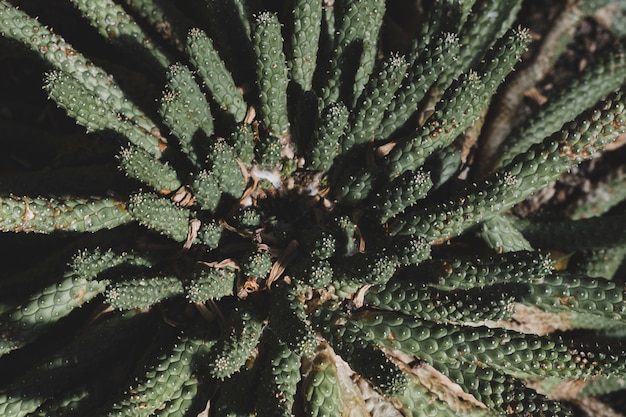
461 105
138 293
271 72
321 387
239 337
215 76
17 25
169 21
24 322
210 283
552 45
185 110
307 21
466 273
590 132
161 379
41 215
375 98
577 295
296 333
279 378
316 232
593 233
94 112
100 344
160 214
596 82
423 72
500 234
325 141
117 26
356 35
140 165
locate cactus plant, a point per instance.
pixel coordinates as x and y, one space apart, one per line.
299 229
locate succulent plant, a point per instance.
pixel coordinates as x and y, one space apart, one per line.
301 228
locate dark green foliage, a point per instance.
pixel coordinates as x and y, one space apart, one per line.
300 225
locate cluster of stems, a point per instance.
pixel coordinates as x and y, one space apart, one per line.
295 232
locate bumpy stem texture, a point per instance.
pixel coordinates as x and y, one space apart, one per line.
40 215
527 173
